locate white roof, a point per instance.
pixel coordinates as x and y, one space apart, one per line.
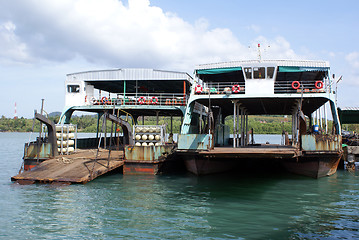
128 74
286 63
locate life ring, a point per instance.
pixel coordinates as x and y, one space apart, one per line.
319 84
93 101
295 85
236 88
104 100
86 99
142 100
198 89
154 100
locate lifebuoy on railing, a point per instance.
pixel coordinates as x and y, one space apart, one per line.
198 89
142 100
154 100
93 101
295 85
236 88
86 99
104 100
319 84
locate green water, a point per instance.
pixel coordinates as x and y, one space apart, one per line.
177 206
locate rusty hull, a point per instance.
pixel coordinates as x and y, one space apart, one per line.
146 159
320 156
321 143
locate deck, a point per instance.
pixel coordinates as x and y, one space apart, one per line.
80 167
263 151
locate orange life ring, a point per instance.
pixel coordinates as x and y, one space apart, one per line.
295 85
154 100
142 100
198 89
104 100
86 99
236 88
319 84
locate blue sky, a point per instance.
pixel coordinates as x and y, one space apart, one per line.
42 41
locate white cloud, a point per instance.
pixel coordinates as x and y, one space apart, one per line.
274 49
11 48
137 35
352 74
57 37
254 28
353 59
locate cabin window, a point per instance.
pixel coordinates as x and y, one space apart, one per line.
248 72
259 73
270 72
73 88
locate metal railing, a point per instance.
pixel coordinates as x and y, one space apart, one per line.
142 99
305 86
220 88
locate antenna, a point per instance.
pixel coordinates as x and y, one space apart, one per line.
259 53
15 113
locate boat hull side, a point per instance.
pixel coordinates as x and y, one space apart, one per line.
313 166
204 166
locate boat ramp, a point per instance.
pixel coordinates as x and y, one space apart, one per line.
80 167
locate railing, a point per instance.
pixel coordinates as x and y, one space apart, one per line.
305 86
220 88
141 99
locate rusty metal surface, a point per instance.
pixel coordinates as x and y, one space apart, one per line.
80 167
321 142
140 169
315 166
270 152
31 150
148 153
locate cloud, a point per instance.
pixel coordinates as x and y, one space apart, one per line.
254 28
112 33
352 73
273 49
11 48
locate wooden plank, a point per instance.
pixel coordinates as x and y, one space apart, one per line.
80 167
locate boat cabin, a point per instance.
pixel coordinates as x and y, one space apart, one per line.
302 89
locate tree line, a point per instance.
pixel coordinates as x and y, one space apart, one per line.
88 123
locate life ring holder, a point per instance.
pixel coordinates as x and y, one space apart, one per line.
236 88
104 100
319 84
295 85
154 100
93 101
198 89
142 100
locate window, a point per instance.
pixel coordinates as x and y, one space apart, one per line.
270 72
248 72
259 72
73 88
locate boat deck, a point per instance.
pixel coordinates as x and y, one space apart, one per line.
262 151
80 167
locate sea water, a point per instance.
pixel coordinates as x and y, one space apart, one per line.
182 206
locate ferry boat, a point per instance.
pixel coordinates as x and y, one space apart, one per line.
300 89
124 98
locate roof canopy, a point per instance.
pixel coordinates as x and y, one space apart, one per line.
349 115
135 79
